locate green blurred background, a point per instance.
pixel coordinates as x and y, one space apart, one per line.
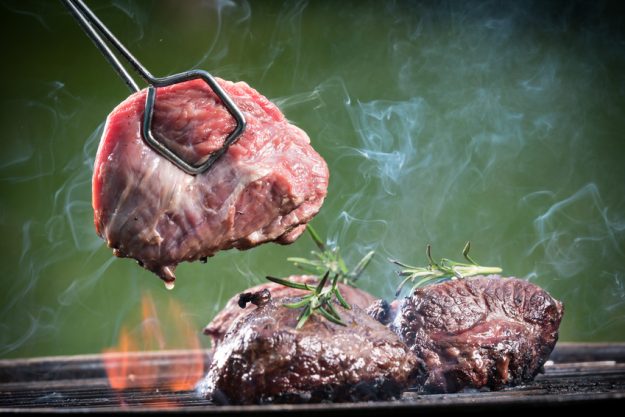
498 122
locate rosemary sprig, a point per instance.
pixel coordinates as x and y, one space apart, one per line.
330 259
318 301
445 269
327 262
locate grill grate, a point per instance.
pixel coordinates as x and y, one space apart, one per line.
579 375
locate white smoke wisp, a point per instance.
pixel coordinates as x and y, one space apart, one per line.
498 123
489 128
578 231
52 270
578 241
60 223
217 49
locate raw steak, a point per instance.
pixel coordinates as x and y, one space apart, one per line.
485 331
263 359
218 327
264 188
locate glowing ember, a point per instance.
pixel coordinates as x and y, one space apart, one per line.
134 363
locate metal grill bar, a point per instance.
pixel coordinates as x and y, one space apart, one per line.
581 376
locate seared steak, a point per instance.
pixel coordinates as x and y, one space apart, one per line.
264 188
263 358
485 331
218 327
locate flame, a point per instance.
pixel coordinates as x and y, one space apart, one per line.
138 361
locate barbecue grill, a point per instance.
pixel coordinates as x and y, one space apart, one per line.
577 376
498 122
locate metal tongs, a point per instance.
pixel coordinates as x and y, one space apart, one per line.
98 32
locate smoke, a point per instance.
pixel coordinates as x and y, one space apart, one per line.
494 122
390 137
58 223
578 230
489 128
216 50
37 13
578 239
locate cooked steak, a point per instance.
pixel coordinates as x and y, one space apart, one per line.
263 358
264 188
218 327
382 311
485 331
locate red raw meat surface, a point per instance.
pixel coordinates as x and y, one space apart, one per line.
265 188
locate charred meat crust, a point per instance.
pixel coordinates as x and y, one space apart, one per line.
484 331
263 358
217 328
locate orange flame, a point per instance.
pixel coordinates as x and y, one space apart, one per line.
138 361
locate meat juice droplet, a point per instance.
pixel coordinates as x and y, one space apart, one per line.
170 285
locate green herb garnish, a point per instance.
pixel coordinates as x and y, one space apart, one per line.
444 270
318 301
328 264
330 259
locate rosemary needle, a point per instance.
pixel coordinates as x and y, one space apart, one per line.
444 270
328 264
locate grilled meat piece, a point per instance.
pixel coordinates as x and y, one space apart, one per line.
218 327
266 187
484 331
264 359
